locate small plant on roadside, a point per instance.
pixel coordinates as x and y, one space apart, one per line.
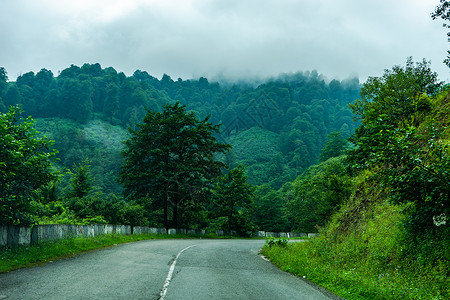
281 242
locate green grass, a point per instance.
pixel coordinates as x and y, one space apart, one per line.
372 261
28 256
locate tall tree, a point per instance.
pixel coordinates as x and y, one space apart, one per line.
25 166
80 183
171 158
233 197
398 94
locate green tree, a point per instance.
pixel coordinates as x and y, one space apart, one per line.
234 198
335 146
3 82
269 210
400 143
418 173
81 182
171 158
397 95
25 166
111 106
75 99
318 193
398 99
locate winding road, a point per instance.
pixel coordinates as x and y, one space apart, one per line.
161 269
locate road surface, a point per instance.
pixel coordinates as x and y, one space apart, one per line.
160 269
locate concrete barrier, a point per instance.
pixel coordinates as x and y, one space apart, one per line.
139 230
296 234
172 231
259 234
12 236
3 236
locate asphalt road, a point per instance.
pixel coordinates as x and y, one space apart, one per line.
160 269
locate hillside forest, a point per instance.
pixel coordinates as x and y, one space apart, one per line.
277 130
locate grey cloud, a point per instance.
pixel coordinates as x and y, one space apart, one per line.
231 38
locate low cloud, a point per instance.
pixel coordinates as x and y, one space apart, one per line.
232 38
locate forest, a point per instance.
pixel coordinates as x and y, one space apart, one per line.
277 130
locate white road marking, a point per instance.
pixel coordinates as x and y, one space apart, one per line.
162 295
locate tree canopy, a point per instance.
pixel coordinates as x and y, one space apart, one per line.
25 167
170 158
398 139
233 199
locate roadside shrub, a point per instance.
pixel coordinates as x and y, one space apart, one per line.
282 242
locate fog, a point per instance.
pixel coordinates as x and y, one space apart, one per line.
221 39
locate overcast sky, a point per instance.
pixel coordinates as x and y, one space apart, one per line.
231 38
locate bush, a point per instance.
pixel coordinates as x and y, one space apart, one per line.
282 242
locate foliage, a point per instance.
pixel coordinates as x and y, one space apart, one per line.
318 193
411 162
81 180
171 157
85 107
108 209
269 210
97 141
255 148
282 242
401 95
417 173
365 253
25 166
335 146
233 199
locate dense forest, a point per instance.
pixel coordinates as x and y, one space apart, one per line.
277 128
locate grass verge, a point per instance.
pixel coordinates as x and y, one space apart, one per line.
358 278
